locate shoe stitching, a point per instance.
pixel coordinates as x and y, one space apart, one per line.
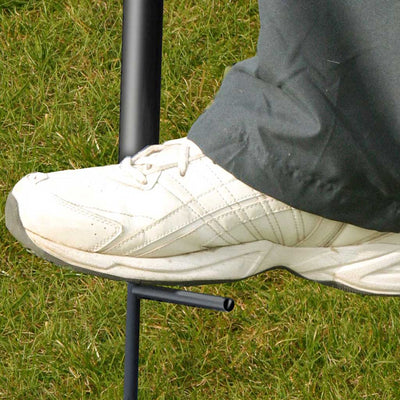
244 197
238 223
211 217
229 205
233 179
160 221
196 199
237 212
293 212
98 218
154 225
205 213
173 230
372 238
258 235
146 252
261 201
315 229
324 237
335 235
166 234
156 221
94 209
233 213
302 224
375 237
142 253
177 210
249 220
120 213
271 213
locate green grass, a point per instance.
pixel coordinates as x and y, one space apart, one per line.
62 333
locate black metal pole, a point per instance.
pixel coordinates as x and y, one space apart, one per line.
139 127
184 297
140 75
132 332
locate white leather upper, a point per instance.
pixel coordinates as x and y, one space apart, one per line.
169 200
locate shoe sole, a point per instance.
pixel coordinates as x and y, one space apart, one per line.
372 269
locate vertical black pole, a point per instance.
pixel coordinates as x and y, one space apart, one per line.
141 75
139 127
132 346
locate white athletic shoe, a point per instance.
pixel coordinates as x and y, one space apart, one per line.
170 215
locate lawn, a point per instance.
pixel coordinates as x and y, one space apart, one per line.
62 333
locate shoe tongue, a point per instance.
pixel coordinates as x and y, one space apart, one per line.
168 153
159 154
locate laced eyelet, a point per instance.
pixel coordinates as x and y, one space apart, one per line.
142 163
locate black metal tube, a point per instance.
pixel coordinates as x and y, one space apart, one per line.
176 296
131 381
140 75
139 127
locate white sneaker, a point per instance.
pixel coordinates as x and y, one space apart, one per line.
170 215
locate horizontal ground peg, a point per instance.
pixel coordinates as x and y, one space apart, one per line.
184 297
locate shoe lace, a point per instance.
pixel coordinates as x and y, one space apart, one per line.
152 156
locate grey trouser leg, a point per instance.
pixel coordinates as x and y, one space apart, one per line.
314 119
